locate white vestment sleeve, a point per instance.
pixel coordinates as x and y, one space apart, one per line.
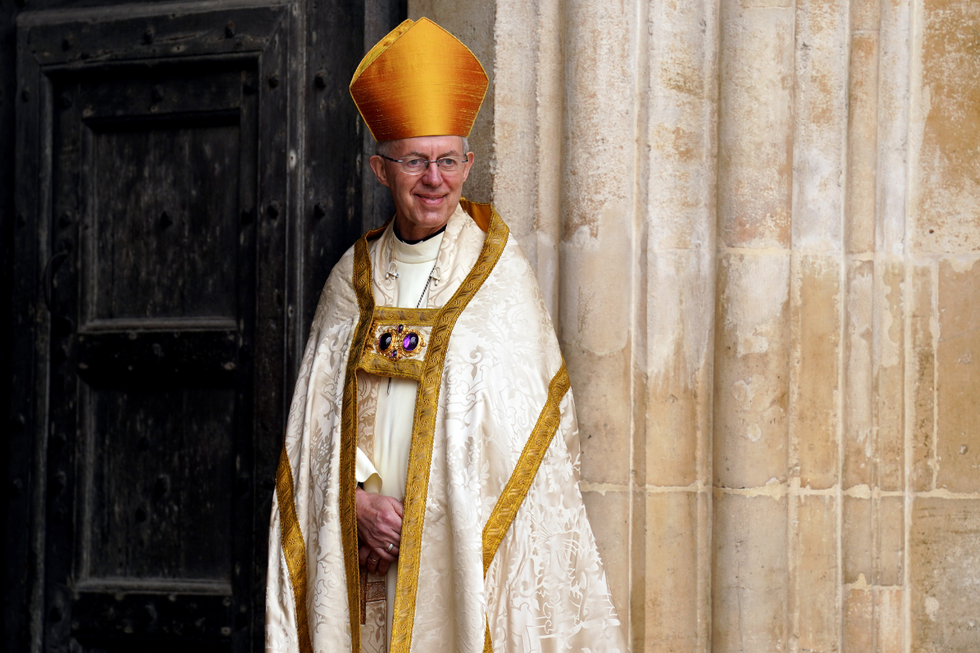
365 470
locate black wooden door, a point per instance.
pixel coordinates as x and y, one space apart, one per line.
174 228
157 167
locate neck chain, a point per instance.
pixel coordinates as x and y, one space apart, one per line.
418 304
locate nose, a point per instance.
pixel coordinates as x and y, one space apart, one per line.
432 175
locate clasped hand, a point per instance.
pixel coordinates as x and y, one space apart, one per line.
379 523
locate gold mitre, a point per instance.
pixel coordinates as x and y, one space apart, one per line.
419 80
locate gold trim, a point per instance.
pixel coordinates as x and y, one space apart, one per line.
348 434
519 483
293 547
423 430
415 316
487 644
403 369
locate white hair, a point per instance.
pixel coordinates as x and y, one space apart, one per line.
386 148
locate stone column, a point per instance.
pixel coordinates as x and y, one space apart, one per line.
817 312
677 104
750 584
942 359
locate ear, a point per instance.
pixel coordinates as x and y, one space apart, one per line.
469 164
378 167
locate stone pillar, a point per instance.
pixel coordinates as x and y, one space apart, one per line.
752 353
819 162
672 328
942 358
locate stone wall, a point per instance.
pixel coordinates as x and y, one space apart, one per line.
757 224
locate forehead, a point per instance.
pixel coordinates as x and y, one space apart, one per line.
429 145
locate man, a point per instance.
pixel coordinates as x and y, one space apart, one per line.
427 494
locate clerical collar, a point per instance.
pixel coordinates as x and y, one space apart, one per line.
420 240
419 251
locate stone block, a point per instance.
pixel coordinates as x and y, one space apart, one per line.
676 414
609 516
820 123
890 620
945 575
750 574
516 171
681 49
674 586
862 140
857 540
922 370
894 134
680 98
873 620
864 16
755 131
858 631
889 398
751 390
603 125
858 378
679 211
873 540
958 385
601 385
816 351
945 197
595 319
815 587
890 540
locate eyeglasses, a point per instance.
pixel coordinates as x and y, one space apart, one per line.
447 165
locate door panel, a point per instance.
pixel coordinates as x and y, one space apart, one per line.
157 248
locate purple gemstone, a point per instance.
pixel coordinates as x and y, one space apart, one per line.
384 341
410 342
400 327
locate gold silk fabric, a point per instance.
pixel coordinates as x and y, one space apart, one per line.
419 80
497 553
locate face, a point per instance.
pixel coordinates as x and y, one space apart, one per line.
423 203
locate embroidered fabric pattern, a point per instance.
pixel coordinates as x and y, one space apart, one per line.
527 467
293 547
348 433
520 481
420 458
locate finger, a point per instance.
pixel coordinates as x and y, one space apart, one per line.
362 553
391 546
399 509
383 567
391 520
